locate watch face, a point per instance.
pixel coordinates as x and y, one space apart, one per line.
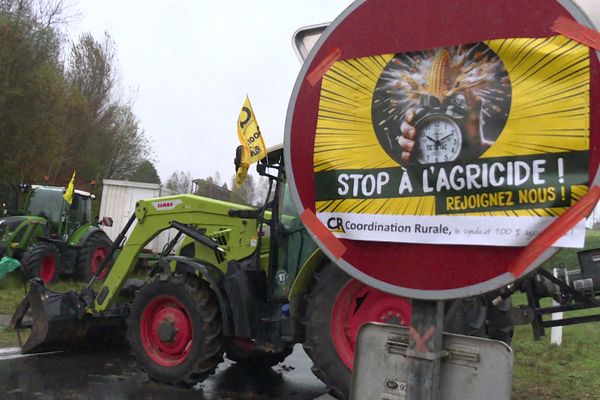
439 139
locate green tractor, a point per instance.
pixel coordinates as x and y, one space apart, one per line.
246 283
50 237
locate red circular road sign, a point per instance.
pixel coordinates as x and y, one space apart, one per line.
376 27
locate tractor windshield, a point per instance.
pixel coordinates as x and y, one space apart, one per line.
45 202
286 206
78 213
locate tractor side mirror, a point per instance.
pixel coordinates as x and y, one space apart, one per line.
238 157
261 169
106 221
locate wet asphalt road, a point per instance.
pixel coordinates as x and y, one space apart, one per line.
116 376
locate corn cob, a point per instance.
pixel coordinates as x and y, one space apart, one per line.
439 75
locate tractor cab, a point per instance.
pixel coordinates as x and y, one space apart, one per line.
63 218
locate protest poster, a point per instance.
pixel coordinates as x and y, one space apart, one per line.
517 93
480 143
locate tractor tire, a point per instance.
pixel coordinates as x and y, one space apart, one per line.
175 330
336 307
244 353
95 248
42 260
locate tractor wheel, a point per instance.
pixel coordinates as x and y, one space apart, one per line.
336 308
42 260
95 248
175 330
244 352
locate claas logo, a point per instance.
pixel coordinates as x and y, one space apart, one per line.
166 205
335 224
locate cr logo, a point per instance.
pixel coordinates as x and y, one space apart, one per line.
335 224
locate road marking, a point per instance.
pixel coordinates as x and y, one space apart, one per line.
12 353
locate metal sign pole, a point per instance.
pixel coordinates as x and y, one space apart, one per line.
425 350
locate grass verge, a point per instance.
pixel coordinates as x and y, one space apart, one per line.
543 371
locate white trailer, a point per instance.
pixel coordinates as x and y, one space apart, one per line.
118 202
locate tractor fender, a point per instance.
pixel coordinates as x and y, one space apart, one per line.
59 243
303 281
82 234
210 274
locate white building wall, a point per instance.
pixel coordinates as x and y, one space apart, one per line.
118 202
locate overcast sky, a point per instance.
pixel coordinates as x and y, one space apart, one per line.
188 65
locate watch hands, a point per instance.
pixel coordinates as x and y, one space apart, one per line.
433 140
446 137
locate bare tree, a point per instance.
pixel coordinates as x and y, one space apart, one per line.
127 143
180 182
60 109
252 191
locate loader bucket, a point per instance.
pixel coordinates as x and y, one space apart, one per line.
58 321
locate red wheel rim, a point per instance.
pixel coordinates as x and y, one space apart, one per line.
97 256
48 268
166 331
357 304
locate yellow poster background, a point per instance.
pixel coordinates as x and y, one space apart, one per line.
549 114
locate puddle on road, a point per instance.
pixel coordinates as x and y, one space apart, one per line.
116 376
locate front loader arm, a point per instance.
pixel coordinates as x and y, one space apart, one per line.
156 215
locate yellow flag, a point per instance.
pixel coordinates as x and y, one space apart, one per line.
241 174
251 140
68 196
